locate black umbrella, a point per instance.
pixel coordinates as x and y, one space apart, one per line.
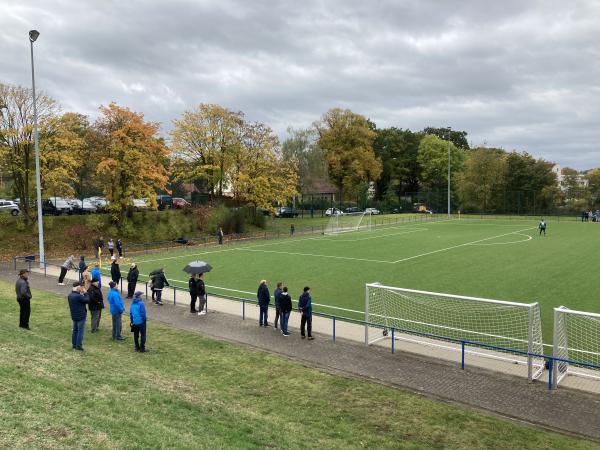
197 267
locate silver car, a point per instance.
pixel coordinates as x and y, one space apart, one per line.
10 207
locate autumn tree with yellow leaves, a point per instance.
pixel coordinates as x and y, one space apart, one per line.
132 159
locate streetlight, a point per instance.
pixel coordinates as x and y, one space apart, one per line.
33 35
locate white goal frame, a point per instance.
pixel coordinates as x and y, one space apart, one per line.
411 313
569 342
333 226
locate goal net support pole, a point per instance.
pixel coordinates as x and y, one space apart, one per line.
443 320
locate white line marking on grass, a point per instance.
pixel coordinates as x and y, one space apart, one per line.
527 238
314 254
462 245
375 237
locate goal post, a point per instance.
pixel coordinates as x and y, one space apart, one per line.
576 338
344 223
443 320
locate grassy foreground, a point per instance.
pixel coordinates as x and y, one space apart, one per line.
193 392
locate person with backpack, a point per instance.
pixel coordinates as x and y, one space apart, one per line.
285 305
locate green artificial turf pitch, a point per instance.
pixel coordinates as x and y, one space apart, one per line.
496 259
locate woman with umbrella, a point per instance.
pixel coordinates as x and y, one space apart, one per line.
196 284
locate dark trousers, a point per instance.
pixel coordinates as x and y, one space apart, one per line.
306 321
78 332
116 326
193 297
285 317
120 252
158 293
201 302
139 331
63 272
96 315
264 314
112 251
277 315
153 294
131 288
24 312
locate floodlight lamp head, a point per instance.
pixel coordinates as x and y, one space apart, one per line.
33 35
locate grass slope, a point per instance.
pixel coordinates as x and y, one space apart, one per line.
193 392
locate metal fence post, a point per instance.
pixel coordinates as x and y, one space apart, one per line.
45 265
174 295
462 358
550 368
206 302
14 263
121 280
243 309
146 290
393 340
333 328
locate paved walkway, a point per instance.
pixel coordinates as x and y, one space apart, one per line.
565 410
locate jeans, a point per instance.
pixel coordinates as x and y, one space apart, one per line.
139 330
78 332
285 317
306 320
96 314
24 312
158 293
116 325
63 272
264 314
277 315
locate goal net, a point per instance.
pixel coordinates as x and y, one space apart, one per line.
343 223
443 320
576 338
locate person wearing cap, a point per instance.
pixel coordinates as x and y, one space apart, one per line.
137 315
264 298
116 310
78 298
96 303
23 298
132 277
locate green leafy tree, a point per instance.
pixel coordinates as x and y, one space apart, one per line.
481 183
301 148
347 139
458 138
433 159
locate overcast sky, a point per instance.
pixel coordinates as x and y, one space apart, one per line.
521 75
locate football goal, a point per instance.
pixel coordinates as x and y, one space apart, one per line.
343 223
576 338
443 320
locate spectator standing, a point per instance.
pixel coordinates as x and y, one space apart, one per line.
292 229
160 281
115 270
82 266
132 278
285 303
193 288
116 310
305 307
264 298
111 247
78 298
86 278
99 246
96 274
120 248
220 235
23 298
277 296
137 315
66 266
201 294
96 304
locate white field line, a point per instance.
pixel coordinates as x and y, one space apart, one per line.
375 237
462 245
527 238
314 254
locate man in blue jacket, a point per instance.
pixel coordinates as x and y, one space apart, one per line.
97 275
116 310
264 298
305 307
78 298
137 315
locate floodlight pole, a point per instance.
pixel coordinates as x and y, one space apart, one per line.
33 35
449 164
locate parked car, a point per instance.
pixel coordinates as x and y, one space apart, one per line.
353 210
8 206
99 202
164 202
373 211
180 203
286 211
333 212
139 204
56 206
82 206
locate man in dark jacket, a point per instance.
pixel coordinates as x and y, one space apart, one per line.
96 303
285 304
120 248
160 281
82 266
132 278
305 307
115 270
277 295
201 294
264 298
78 298
23 298
193 288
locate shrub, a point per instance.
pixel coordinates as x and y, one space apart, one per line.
79 235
